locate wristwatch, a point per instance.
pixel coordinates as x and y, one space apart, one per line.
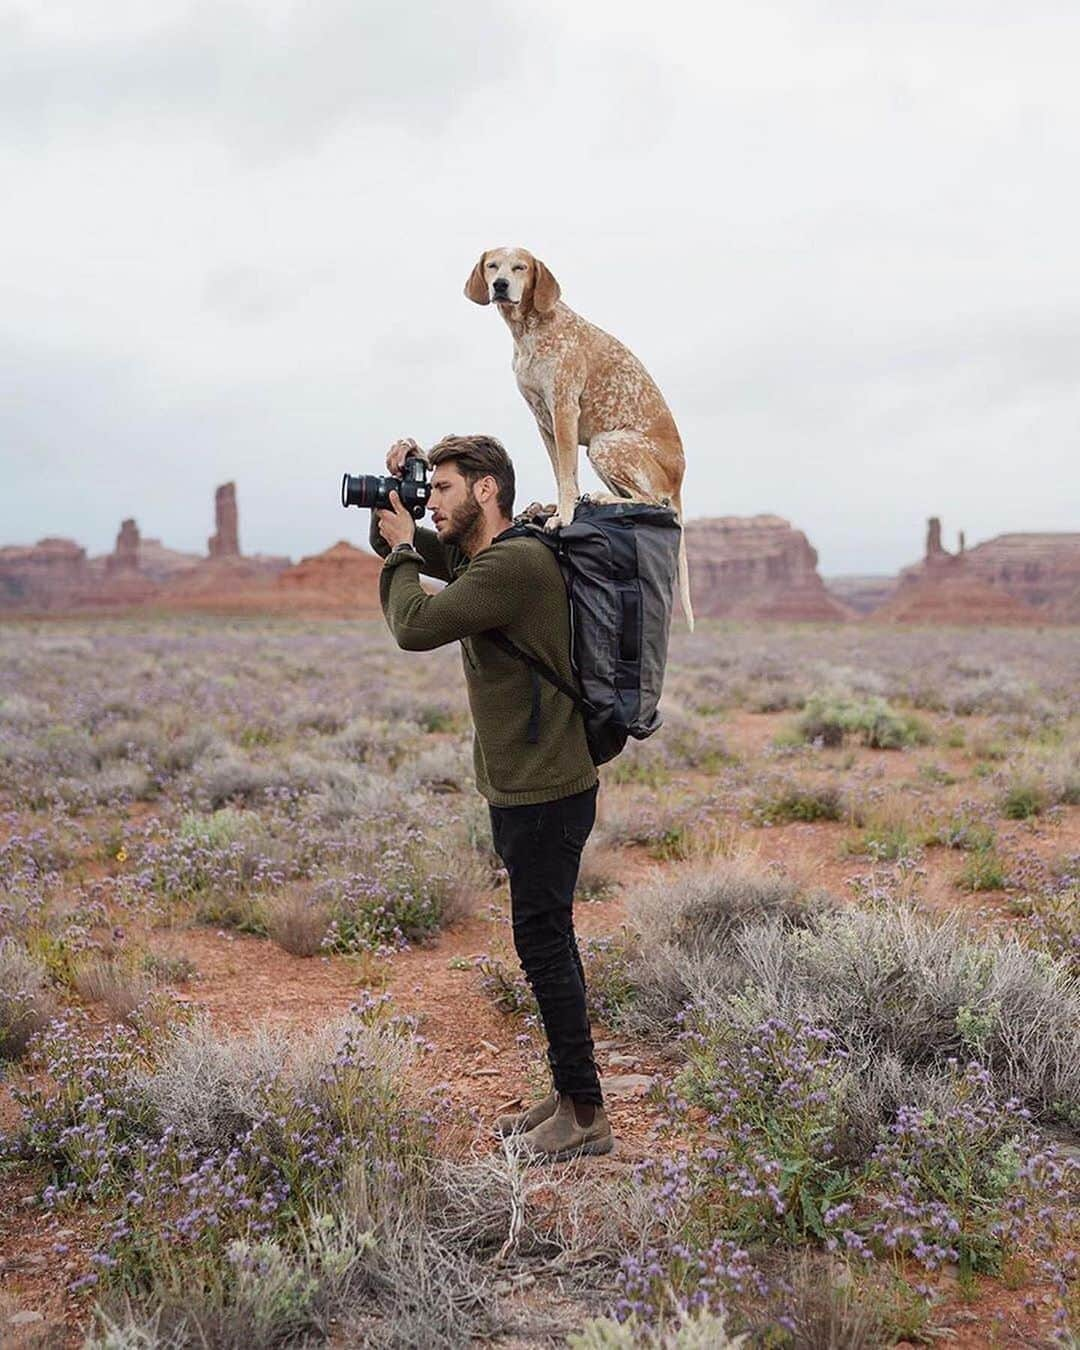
403 547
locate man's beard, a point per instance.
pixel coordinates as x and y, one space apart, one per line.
464 523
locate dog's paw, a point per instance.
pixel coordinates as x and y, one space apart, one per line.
533 512
553 523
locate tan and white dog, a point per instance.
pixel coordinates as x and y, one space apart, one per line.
584 388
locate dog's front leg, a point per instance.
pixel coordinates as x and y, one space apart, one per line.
565 460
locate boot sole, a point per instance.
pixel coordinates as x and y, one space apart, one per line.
593 1148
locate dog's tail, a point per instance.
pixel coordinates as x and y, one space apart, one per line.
684 570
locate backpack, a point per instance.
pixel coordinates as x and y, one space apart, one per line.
619 562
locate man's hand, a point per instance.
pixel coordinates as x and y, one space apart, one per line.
396 526
399 452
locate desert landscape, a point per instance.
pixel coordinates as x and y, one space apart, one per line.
259 1005
754 568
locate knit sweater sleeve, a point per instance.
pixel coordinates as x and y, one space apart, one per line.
490 593
439 559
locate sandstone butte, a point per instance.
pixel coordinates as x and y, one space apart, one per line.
749 568
757 567
1012 578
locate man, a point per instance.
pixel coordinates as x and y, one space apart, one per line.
531 759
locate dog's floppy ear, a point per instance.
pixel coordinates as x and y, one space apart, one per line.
545 289
476 288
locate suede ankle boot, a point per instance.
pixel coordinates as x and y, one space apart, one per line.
560 1136
522 1121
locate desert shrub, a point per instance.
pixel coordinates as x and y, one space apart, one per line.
790 801
885 841
993 694
217 861
297 923
983 870
964 830
19 710
881 981
829 719
937 1186
227 777
372 740
168 968
506 987
445 767
1040 778
26 1002
596 879
233 1163
123 989
1021 800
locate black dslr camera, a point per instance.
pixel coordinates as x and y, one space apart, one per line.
373 490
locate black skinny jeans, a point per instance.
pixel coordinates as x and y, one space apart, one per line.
541 849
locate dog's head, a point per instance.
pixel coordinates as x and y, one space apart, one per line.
512 276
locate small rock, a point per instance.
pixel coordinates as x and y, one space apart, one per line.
626 1061
627 1085
606 1045
25 1319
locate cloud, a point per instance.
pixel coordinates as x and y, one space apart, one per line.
268 80
841 237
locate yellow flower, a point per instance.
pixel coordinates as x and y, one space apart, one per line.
121 854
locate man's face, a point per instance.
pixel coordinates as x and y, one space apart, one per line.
455 512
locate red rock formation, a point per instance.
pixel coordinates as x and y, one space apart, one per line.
952 597
1011 578
125 556
344 579
756 567
1042 570
225 542
45 576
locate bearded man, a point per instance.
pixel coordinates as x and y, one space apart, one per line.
531 758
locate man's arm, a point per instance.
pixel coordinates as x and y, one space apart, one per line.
489 594
439 561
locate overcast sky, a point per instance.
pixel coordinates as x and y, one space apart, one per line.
841 234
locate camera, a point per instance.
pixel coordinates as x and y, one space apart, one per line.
373 490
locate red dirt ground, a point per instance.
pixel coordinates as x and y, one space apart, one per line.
243 981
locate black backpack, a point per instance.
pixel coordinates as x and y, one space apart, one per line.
619 562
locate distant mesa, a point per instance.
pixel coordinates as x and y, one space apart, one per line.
55 575
1013 578
43 576
343 579
741 567
757 567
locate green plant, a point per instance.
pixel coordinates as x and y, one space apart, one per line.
1022 800
828 719
983 870
793 802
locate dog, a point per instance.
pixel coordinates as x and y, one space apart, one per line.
584 388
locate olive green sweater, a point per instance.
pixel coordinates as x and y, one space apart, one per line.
514 585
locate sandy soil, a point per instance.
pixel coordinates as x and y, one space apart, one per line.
245 981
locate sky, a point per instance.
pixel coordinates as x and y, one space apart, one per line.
840 234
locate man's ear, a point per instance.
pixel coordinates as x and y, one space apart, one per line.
545 288
476 288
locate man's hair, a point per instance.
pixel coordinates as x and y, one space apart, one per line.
478 457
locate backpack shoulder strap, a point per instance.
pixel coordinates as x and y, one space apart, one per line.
511 648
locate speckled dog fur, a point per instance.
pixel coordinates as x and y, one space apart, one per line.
584 388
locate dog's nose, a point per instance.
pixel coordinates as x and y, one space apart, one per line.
501 285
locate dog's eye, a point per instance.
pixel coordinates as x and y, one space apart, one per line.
493 264
518 267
